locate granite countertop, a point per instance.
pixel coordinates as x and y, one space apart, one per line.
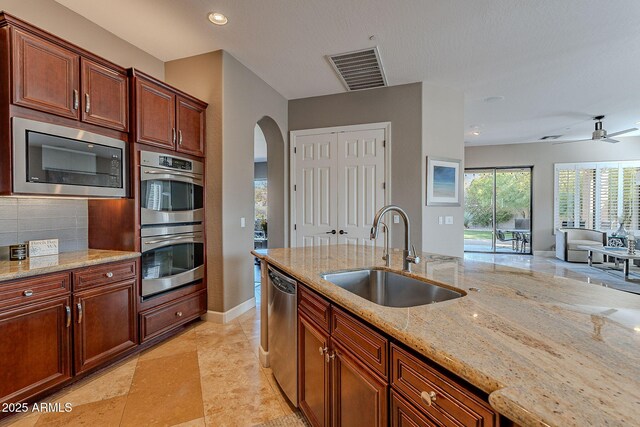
10 270
549 350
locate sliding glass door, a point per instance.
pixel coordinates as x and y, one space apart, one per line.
497 215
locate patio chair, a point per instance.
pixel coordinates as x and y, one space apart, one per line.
503 238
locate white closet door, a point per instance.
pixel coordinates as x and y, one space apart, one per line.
360 194
316 187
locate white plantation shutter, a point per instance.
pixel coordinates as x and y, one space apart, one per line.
630 199
595 195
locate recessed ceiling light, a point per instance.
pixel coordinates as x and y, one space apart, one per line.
217 18
475 133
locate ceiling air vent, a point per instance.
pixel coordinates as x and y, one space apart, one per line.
361 69
550 137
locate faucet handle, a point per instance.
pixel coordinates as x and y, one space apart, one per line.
414 259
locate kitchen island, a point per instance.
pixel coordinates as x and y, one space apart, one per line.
547 350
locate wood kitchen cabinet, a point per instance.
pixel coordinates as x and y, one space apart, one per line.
337 386
313 372
45 75
36 354
350 374
105 96
56 77
105 323
168 118
64 324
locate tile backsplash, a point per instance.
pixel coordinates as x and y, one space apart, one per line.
23 219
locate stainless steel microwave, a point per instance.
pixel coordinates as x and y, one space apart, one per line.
51 159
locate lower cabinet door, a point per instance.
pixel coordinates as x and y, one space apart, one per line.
360 398
105 324
313 372
35 353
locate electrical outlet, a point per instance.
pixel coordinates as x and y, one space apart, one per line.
242 222
396 219
448 220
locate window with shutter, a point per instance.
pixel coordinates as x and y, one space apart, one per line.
597 195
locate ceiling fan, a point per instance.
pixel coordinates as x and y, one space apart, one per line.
599 134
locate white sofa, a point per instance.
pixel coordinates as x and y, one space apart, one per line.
568 240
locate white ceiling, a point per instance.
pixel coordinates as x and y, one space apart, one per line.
556 62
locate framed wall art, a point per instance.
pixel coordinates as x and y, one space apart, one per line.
443 182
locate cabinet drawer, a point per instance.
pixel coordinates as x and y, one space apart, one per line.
453 404
371 347
314 306
159 320
404 414
103 274
34 289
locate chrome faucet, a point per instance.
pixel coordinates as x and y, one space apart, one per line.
407 257
386 257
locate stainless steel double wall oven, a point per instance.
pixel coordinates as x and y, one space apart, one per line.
171 215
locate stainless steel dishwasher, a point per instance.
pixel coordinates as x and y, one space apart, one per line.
283 332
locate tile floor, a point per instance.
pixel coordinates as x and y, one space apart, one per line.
210 375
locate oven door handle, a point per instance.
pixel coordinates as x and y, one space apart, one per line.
172 239
174 176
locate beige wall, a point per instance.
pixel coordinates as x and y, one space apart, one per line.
542 156
201 76
238 99
443 137
64 23
400 105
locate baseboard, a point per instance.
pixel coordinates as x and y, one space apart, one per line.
545 254
264 357
229 315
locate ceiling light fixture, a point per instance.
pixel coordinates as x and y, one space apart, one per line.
217 18
475 133
492 99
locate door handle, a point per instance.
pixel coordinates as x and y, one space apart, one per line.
180 137
343 232
76 99
331 232
87 103
173 134
79 306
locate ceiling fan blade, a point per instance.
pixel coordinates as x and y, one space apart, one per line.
611 140
571 141
622 132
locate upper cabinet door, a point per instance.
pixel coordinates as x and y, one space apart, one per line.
155 115
190 120
45 76
105 99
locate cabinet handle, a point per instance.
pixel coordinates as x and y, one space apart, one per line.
323 350
109 275
180 137
173 134
329 357
28 293
179 314
79 306
68 311
76 99
428 398
87 103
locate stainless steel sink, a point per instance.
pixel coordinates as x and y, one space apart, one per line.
390 289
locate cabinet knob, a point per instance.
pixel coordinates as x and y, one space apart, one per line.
109 275
28 293
329 357
323 350
428 398
179 314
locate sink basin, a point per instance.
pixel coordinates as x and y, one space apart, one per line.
390 289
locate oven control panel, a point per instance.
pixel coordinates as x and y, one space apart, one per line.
173 163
